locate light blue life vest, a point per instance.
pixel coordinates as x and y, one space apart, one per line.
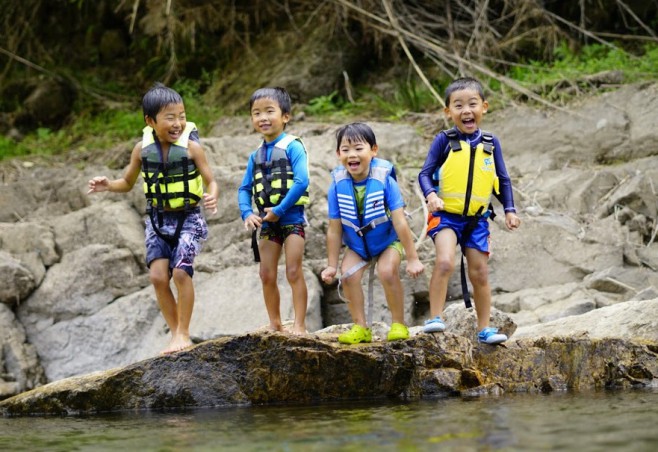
369 233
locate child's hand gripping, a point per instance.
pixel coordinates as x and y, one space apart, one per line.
328 274
210 203
98 184
415 267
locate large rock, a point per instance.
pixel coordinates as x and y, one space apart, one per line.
275 368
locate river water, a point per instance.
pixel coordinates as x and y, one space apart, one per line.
598 421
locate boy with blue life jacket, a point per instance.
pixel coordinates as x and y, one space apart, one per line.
175 170
463 168
277 180
366 213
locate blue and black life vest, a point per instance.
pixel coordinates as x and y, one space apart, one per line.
273 178
370 232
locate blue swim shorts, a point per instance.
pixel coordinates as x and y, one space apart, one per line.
478 240
182 254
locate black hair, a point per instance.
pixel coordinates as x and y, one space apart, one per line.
278 94
157 98
463 83
355 132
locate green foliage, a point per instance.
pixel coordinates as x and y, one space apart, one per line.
103 129
590 60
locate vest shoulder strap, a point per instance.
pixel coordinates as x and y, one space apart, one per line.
487 142
284 142
453 139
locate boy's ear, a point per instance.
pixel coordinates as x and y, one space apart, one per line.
375 148
485 106
446 111
148 120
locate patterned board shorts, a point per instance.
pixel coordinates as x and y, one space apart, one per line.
279 234
182 254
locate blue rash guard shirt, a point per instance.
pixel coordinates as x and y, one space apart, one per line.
438 153
287 211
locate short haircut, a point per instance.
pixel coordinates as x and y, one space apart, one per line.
354 133
157 98
278 94
463 83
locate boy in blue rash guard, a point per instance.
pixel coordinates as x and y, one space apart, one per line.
366 212
465 166
277 181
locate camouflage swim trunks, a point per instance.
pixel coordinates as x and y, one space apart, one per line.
279 234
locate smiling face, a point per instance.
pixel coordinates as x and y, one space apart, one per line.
169 123
267 118
465 109
356 155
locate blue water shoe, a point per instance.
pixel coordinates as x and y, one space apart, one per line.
434 325
491 336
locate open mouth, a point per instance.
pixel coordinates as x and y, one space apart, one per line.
353 165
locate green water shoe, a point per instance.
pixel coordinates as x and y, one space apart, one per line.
356 335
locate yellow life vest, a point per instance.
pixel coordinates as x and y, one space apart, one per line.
467 178
274 177
173 184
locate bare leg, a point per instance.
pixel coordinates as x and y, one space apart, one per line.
478 274
269 260
181 335
159 276
388 272
294 246
445 243
352 289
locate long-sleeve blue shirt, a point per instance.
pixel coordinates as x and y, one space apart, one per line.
438 153
287 211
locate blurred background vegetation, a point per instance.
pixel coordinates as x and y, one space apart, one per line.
74 71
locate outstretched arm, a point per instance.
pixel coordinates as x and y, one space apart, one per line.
126 182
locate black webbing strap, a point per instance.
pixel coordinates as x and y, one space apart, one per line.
254 244
466 234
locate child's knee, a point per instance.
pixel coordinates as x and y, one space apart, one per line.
444 266
267 276
159 278
479 275
180 276
294 273
388 274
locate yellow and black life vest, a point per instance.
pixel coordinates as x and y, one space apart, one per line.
173 184
467 193
273 178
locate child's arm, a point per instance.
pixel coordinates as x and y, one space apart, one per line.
506 195
414 266
334 240
210 197
251 220
126 182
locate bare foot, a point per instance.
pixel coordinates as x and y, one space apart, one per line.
299 330
177 343
274 328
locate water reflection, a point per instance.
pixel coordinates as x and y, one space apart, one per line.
601 421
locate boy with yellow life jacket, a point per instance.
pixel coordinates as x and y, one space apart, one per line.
463 168
276 180
174 168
